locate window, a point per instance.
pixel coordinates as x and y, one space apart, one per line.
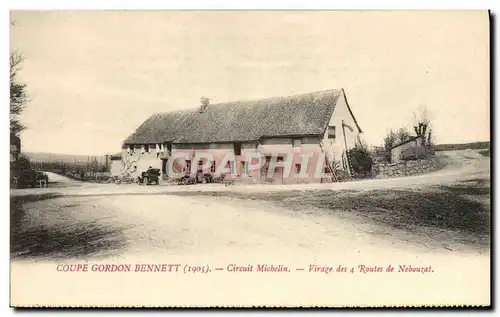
212 167
331 132
130 149
187 167
230 165
200 165
297 143
146 148
237 148
297 168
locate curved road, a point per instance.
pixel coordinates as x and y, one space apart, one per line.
56 178
460 166
221 232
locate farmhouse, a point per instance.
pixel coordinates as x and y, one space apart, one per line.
278 140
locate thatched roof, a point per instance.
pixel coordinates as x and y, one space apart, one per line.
299 115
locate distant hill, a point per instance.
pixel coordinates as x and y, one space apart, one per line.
61 158
462 146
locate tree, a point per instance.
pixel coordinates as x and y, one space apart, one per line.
18 95
22 163
402 135
390 139
422 123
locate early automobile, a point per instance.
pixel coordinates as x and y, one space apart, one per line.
205 178
151 176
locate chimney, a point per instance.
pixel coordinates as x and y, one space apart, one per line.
204 104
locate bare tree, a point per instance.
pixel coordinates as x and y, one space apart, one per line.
422 123
128 164
18 96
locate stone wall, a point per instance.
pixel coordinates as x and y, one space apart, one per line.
407 168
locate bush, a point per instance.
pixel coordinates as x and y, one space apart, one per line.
485 152
380 155
360 160
342 175
22 163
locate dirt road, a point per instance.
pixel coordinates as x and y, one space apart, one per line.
59 181
100 224
460 166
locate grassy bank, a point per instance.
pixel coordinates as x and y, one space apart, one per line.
461 211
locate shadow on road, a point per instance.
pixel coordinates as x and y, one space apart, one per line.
72 241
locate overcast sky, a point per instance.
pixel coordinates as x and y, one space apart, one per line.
95 76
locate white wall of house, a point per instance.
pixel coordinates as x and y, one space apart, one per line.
115 169
140 159
336 146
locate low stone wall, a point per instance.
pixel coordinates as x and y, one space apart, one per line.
407 168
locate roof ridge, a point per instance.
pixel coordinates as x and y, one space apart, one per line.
278 97
298 114
228 103
172 111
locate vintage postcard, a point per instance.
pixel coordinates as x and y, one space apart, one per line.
250 159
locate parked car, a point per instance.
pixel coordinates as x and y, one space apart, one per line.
205 178
151 176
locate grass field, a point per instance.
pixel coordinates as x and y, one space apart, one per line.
462 146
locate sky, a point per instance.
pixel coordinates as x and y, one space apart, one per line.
95 76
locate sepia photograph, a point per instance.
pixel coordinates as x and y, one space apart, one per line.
186 159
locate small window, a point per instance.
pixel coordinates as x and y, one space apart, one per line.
212 167
230 165
146 148
187 167
297 143
237 148
331 132
298 167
